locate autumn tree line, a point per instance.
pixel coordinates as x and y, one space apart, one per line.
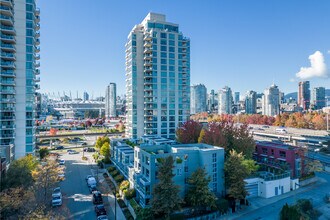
308 120
26 189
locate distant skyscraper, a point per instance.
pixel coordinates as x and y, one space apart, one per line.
237 97
157 78
211 101
304 95
198 99
271 101
251 102
318 97
110 100
19 82
86 96
225 101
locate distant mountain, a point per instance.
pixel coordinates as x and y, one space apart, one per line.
294 95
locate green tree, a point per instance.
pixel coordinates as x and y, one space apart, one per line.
199 194
165 197
313 166
250 165
235 173
105 150
222 205
100 141
289 213
145 214
43 152
20 172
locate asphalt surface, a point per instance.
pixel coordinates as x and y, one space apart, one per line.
77 200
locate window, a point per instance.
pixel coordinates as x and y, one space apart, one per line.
147 173
178 172
214 157
282 154
186 169
264 150
272 151
163 35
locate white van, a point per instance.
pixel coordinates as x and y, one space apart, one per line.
91 182
281 130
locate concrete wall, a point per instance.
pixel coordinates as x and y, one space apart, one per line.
272 188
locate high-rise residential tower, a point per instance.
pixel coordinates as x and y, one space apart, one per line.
304 95
198 99
111 101
251 102
237 97
225 101
86 96
271 101
19 82
211 101
318 97
157 78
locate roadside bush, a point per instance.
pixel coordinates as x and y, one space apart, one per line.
222 205
114 173
84 158
121 203
129 193
100 164
106 160
124 185
128 214
119 179
96 156
110 169
177 216
135 205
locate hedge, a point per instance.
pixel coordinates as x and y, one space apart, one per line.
119 178
110 169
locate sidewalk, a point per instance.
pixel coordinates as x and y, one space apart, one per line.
109 199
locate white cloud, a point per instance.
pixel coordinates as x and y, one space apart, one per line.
292 80
328 51
318 67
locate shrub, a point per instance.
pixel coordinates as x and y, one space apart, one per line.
119 178
114 173
135 205
110 169
121 203
129 193
177 216
128 214
84 158
106 160
124 185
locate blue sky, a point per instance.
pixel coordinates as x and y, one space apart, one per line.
245 44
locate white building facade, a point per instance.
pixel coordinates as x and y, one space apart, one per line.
225 101
198 99
271 101
157 78
19 81
111 101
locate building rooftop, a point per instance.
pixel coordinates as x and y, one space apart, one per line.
275 145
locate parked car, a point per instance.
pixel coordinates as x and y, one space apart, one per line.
97 198
56 200
102 217
91 182
83 144
89 149
57 192
281 131
59 148
87 177
72 152
62 162
100 210
92 189
265 126
61 176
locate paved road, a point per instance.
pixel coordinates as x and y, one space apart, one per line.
315 192
77 197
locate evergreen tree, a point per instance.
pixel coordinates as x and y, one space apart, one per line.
199 194
165 198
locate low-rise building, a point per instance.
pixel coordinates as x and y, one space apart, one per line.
279 156
140 166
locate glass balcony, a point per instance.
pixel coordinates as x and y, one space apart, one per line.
37 49
37 79
8 73
7 29
37 64
8 82
10 100
8 47
37 11
7 91
7 2
38 42
37 57
6 109
37 34
8 65
37 27
6 20
37 20
8 56
37 72
6 10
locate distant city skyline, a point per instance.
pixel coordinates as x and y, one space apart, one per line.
245 45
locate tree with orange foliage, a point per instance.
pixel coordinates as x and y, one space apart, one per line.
189 132
53 131
319 122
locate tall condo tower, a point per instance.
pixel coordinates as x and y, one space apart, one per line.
19 81
111 101
198 99
157 78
